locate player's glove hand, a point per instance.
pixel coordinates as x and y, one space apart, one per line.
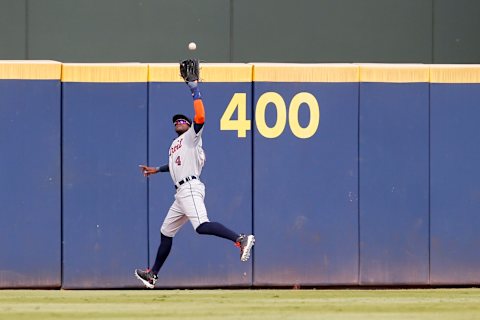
190 70
148 170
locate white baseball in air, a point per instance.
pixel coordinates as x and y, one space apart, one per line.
192 46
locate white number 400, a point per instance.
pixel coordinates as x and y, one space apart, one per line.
242 125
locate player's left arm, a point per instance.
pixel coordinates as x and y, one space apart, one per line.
147 171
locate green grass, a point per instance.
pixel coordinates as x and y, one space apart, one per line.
410 304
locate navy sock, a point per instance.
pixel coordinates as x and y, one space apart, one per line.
217 229
162 252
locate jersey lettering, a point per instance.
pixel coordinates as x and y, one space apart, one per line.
174 148
186 156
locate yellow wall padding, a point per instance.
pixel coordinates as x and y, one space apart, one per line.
209 72
30 70
104 72
291 72
164 72
226 72
398 73
458 73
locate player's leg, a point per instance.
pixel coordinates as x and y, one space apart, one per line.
162 252
194 206
172 223
217 229
242 241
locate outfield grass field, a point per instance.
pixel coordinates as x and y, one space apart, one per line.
408 304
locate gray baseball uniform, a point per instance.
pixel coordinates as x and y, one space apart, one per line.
186 160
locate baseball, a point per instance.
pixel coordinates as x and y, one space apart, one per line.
192 46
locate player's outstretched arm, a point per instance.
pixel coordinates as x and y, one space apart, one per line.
146 170
199 118
190 72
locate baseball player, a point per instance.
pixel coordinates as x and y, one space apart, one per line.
185 163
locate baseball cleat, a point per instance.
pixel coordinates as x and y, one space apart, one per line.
245 243
147 277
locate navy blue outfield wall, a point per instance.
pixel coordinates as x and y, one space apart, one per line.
455 175
30 180
347 174
394 174
306 175
199 260
104 196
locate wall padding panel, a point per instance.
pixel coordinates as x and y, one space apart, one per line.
30 180
455 176
104 194
394 174
305 174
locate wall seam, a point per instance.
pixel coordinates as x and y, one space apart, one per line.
358 187
148 180
252 116
429 184
61 182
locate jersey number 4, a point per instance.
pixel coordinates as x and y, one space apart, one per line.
178 161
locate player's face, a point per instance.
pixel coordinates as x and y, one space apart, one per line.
181 126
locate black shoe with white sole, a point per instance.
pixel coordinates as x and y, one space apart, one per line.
147 277
245 243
